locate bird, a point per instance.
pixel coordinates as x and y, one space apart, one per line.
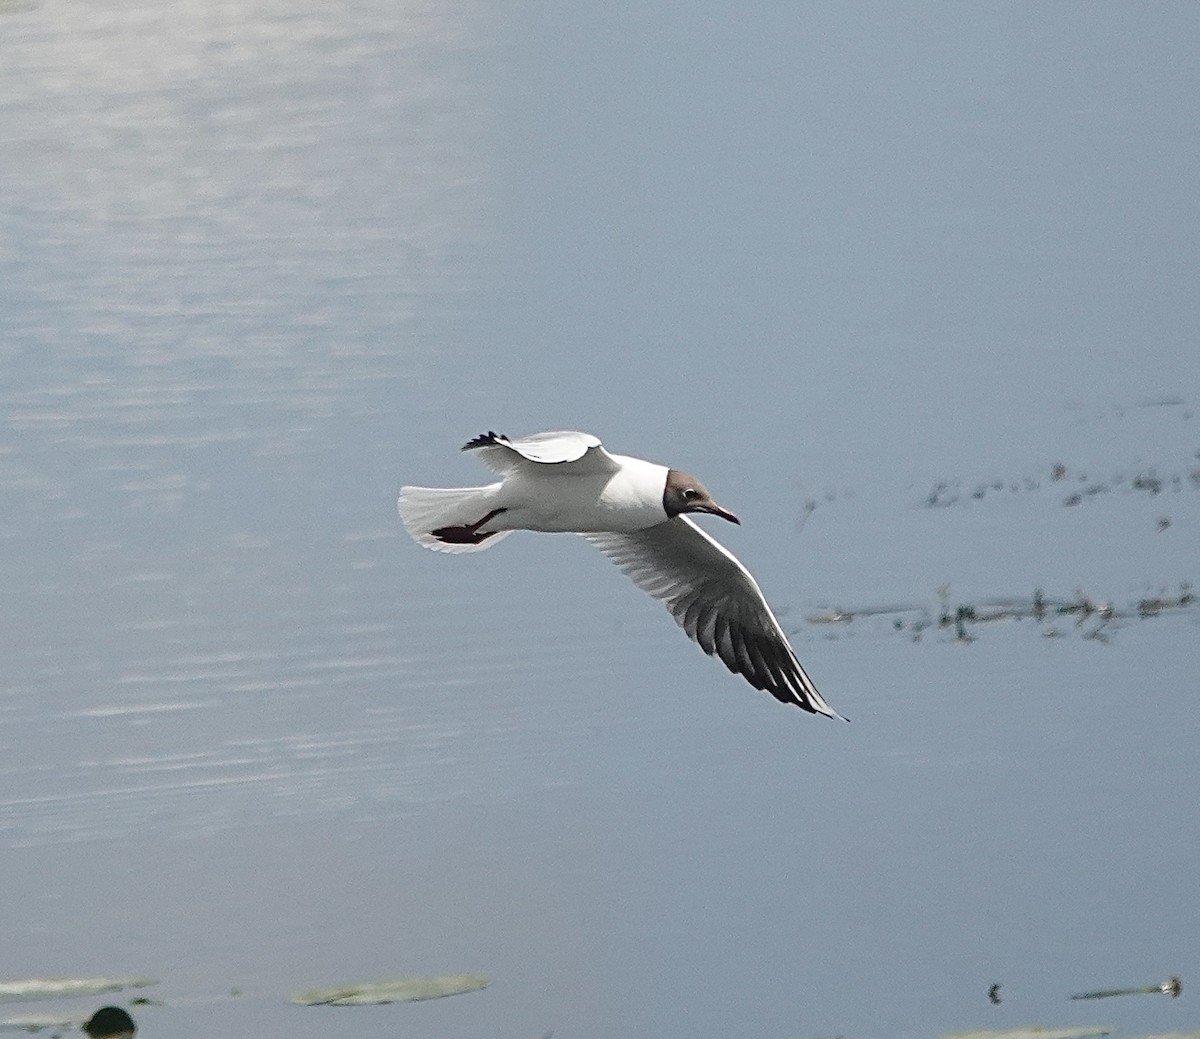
637 513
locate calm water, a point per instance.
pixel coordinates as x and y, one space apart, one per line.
261 262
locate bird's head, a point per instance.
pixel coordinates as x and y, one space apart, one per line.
684 493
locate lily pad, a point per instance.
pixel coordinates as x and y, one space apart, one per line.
34 1023
398 990
61 988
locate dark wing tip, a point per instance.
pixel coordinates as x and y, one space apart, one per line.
781 675
766 667
488 439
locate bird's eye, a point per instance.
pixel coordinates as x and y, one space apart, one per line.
690 494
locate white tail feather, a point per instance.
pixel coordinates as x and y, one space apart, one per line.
425 509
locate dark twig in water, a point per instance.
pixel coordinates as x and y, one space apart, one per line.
1095 619
1149 481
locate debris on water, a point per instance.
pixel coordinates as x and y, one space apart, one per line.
1094 618
105 1023
942 495
1032 1032
34 1023
994 995
1151 607
1161 402
1148 481
61 988
1089 491
1171 987
398 990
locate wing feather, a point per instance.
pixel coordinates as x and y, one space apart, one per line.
706 633
582 452
716 601
693 616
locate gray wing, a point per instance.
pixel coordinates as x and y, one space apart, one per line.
582 452
717 602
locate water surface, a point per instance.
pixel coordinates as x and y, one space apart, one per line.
260 263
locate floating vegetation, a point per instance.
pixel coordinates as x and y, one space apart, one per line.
1169 1035
1171 987
1092 618
105 1023
38 1022
1148 481
1032 1032
399 990
62 988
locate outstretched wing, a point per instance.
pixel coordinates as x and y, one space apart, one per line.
717 602
582 452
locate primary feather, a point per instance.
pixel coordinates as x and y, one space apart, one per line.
716 601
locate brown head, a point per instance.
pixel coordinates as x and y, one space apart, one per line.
684 493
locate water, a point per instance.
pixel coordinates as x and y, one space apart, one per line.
260 263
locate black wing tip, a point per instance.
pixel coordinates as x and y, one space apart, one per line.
780 690
488 439
805 705
783 692
774 684
824 712
786 696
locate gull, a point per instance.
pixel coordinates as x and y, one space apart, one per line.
636 513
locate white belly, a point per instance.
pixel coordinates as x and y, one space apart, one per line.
630 499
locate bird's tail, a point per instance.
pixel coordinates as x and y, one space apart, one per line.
450 512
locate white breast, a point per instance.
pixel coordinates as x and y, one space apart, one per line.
634 496
548 499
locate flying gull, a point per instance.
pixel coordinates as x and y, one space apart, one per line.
634 512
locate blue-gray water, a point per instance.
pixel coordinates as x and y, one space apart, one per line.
262 262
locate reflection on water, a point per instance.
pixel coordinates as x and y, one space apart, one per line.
260 262
196 726
227 229
206 235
